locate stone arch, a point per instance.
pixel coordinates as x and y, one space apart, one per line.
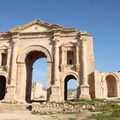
113 74
71 75
2 86
21 57
2 73
22 80
110 85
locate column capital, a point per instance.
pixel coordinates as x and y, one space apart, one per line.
62 49
56 36
8 50
77 44
83 40
56 40
14 42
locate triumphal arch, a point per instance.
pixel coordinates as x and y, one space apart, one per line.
69 55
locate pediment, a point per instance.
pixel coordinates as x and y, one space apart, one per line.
3 47
69 44
35 26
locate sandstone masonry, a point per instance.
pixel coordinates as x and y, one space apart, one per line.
69 55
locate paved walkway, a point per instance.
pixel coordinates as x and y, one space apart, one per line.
26 115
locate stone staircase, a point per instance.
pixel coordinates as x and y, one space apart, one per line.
14 107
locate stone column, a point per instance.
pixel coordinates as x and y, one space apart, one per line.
8 60
11 88
77 58
65 56
8 57
85 86
55 89
21 83
62 59
0 59
56 61
13 64
49 78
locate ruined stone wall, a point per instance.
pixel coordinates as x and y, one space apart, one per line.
50 108
101 84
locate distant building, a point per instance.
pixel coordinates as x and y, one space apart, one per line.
38 93
72 94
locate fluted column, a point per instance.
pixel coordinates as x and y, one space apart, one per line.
0 59
8 61
84 63
77 58
56 61
62 59
85 85
8 57
21 83
13 64
63 56
55 88
11 88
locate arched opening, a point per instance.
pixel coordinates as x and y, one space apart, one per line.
111 86
2 87
36 64
70 88
39 80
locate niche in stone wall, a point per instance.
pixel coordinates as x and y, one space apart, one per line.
4 59
70 58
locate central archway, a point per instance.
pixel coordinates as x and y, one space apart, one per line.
30 59
25 62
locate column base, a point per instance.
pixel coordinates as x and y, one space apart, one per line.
84 92
10 94
55 94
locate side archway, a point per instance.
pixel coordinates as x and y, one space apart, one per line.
110 85
2 86
68 93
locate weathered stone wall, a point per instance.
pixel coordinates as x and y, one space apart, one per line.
23 45
101 84
49 108
4 107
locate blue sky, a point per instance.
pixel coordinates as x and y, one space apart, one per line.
101 18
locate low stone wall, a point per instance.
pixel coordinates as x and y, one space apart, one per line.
49 108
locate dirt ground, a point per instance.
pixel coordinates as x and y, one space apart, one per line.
26 115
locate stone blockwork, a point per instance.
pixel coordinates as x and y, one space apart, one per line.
50 108
107 85
69 55
14 107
